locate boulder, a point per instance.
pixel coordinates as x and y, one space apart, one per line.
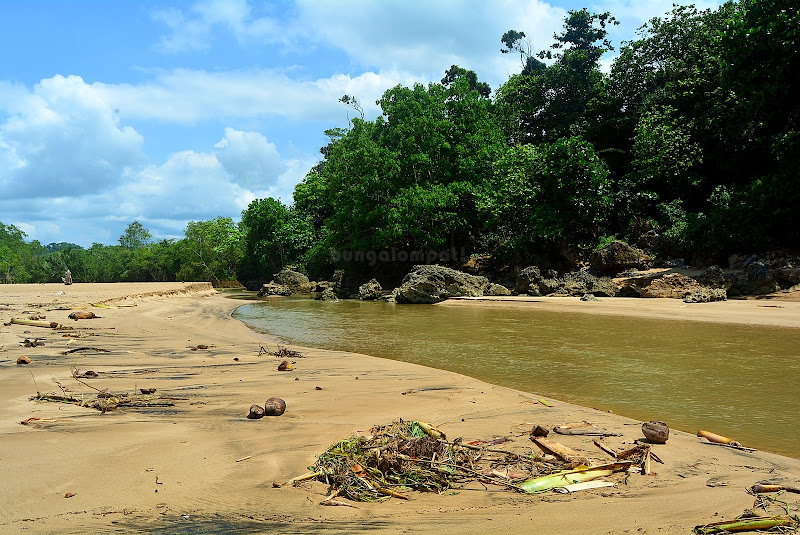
673 285
432 284
789 273
496 289
321 286
758 279
706 295
328 295
578 283
391 297
528 281
274 289
370 290
589 297
297 282
617 256
629 290
714 277
650 240
735 261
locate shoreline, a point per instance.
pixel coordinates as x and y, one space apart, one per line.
149 468
767 311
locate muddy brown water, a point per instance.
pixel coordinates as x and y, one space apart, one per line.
736 380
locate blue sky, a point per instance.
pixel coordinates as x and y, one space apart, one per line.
167 112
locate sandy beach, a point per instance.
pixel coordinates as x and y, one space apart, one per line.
201 466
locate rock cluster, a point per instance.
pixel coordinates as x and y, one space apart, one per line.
286 282
432 284
370 290
673 285
575 283
618 256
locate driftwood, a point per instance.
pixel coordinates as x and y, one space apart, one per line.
98 349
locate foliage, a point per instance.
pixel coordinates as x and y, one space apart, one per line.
135 236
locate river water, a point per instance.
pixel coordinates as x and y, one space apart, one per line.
735 380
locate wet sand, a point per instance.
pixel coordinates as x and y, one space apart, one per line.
175 469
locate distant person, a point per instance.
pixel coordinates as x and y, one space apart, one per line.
67 278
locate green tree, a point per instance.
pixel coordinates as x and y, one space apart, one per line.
550 193
216 250
135 236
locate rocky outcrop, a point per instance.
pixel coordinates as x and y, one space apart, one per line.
589 297
432 284
297 282
528 281
789 273
496 289
705 294
327 295
370 291
617 256
758 279
714 277
390 297
274 289
629 290
674 286
577 283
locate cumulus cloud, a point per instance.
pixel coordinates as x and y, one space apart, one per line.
188 96
61 139
84 175
193 29
249 158
426 37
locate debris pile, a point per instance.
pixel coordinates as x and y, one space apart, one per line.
403 456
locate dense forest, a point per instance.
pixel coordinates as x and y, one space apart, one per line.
689 147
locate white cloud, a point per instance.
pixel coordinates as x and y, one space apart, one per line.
425 38
84 175
249 158
189 96
194 29
61 139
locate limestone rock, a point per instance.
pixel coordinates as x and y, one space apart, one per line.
274 289
528 281
578 283
757 280
706 295
617 256
328 295
496 289
432 284
674 286
629 290
714 277
370 290
295 281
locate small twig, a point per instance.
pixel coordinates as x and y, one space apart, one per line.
34 384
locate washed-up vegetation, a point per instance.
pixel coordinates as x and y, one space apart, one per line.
403 456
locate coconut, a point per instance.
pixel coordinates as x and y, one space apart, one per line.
656 432
274 407
256 412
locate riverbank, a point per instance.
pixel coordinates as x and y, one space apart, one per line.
201 465
775 310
